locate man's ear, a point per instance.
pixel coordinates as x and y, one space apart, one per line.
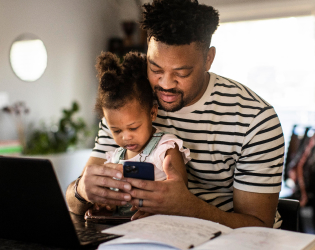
153 112
210 58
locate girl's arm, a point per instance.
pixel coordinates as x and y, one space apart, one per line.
178 162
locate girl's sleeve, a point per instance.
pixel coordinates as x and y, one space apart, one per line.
168 141
109 156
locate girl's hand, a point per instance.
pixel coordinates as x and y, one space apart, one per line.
139 215
98 207
133 208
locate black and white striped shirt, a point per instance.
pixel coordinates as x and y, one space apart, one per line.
235 139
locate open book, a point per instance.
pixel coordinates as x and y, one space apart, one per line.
177 232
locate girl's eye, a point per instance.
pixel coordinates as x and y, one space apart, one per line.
117 131
133 129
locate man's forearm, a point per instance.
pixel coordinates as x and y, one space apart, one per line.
200 209
75 206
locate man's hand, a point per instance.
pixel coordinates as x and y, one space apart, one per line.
161 197
96 181
94 186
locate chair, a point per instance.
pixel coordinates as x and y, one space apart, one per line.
289 210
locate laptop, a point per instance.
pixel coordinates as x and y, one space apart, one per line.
33 208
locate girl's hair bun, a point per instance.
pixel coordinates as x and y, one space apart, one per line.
135 65
122 82
107 62
110 82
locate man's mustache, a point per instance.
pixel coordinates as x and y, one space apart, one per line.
172 91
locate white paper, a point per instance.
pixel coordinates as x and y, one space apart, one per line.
127 243
259 238
177 231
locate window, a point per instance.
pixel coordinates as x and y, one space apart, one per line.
276 59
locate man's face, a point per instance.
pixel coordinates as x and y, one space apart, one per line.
177 73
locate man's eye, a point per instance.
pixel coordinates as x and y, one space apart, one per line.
183 76
156 71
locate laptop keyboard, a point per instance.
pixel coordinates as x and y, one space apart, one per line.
92 235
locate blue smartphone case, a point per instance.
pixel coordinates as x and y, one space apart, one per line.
139 170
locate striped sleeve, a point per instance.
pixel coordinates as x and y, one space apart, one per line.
259 169
104 141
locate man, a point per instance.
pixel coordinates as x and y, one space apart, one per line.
234 136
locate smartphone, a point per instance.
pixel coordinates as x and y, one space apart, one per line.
139 170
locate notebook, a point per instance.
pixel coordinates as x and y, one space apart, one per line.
33 207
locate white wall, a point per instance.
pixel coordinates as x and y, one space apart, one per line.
74 33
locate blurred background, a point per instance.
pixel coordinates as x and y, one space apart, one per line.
48 81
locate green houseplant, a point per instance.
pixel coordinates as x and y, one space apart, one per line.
57 139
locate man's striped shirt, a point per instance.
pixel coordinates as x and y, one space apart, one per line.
235 139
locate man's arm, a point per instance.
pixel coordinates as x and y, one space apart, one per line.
74 204
173 197
94 186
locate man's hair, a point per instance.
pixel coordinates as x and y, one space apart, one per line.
180 22
122 82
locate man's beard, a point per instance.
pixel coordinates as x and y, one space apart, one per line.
170 108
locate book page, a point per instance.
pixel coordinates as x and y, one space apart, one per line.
177 231
260 238
130 243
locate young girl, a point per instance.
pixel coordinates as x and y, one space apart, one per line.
125 99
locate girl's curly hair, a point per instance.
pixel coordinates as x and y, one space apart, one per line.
122 82
180 22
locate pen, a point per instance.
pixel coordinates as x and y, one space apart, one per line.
216 234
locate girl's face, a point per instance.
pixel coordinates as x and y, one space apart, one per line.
131 125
